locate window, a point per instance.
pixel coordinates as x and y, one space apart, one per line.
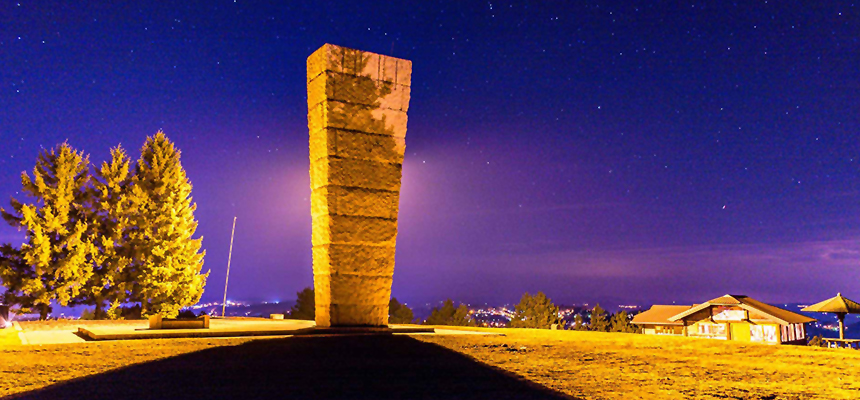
763 333
727 314
789 333
669 330
712 329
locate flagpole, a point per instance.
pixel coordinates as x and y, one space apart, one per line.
229 258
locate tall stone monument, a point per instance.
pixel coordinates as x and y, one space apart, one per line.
357 103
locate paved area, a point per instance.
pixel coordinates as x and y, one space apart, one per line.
64 331
58 332
231 328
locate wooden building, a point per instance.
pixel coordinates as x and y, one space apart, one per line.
730 317
655 321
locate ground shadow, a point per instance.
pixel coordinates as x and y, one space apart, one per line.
330 367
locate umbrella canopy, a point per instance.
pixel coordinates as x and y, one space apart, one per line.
838 305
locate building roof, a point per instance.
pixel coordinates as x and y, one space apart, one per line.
659 315
780 315
838 304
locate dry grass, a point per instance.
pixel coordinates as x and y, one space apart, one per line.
624 366
582 364
9 337
25 368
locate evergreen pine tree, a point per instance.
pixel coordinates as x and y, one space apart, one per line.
166 260
305 307
53 262
535 312
620 322
399 313
112 212
598 319
448 315
579 323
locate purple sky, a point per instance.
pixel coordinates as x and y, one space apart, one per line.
650 152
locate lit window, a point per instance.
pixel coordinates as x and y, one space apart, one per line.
712 329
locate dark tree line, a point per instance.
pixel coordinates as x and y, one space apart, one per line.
305 308
533 311
602 321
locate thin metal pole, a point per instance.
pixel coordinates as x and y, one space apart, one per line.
229 258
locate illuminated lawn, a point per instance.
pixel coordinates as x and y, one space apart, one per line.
625 366
582 364
8 336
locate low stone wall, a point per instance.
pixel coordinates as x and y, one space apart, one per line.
159 322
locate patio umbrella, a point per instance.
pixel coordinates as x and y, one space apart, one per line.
838 305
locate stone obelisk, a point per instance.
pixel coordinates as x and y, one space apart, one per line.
357 104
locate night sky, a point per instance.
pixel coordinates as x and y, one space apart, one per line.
652 153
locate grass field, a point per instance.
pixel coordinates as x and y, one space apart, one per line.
520 364
625 366
9 336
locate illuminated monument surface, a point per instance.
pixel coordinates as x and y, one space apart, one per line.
357 103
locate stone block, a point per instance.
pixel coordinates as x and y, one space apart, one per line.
340 200
389 69
360 289
335 86
159 322
356 145
337 229
352 61
355 173
340 115
370 66
396 70
322 60
393 122
404 72
330 86
397 98
356 62
353 259
322 314
361 314
351 315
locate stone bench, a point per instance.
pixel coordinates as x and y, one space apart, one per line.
159 322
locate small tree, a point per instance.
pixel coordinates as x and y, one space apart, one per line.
399 313
535 312
448 315
579 323
305 307
598 319
620 322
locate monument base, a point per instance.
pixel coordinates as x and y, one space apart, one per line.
284 329
364 330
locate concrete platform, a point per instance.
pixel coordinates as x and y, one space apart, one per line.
241 328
